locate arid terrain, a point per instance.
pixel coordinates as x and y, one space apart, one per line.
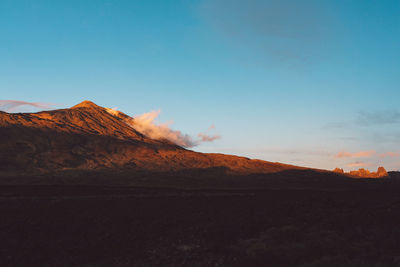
81 187
352 224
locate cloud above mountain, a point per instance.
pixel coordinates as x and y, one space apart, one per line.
147 125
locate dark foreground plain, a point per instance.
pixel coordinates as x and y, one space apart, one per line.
290 220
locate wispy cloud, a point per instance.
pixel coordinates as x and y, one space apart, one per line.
387 136
334 126
367 118
12 105
389 154
307 152
281 18
147 125
361 154
358 164
274 29
208 138
286 151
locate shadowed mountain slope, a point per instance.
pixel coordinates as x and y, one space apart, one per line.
89 137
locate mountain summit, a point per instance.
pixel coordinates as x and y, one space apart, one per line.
86 118
88 137
86 104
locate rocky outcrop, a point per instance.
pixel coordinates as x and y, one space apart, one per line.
363 173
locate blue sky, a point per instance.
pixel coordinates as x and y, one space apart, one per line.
292 81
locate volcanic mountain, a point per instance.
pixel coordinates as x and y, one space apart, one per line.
90 137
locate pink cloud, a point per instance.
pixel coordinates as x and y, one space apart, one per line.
212 127
12 105
358 164
204 137
361 154
208 138
389 154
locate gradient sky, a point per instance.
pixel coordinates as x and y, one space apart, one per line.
312 83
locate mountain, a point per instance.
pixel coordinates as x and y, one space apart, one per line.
90 137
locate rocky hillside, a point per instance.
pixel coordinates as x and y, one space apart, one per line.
89 137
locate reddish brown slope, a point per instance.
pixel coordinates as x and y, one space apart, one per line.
86 136
84 118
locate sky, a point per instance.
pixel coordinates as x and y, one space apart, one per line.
311 83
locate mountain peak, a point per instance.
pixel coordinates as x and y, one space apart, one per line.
90 137
86 104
